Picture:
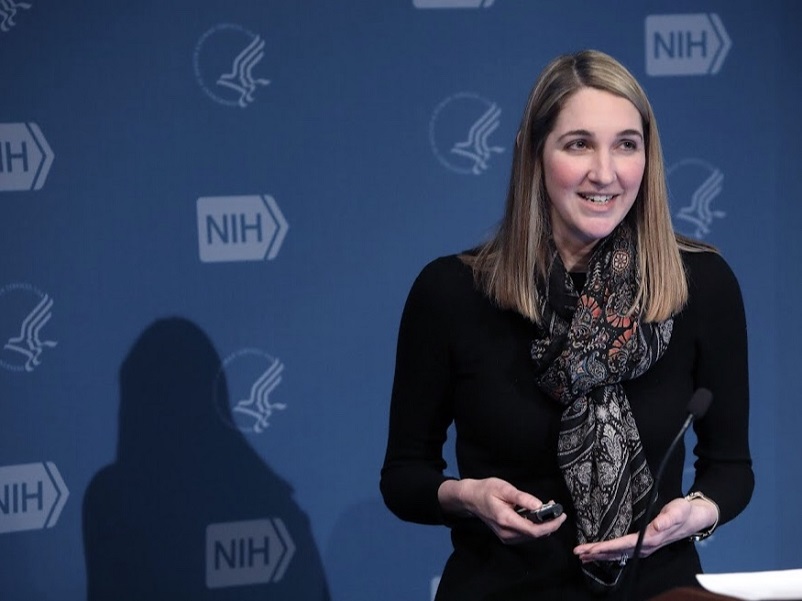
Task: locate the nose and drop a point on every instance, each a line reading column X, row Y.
column 602, row 169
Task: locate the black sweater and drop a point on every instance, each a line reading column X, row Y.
column 461, row 359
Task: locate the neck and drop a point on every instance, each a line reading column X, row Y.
column 575, row 259
column 575, row 253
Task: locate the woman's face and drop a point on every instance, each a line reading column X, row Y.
column 593, row 163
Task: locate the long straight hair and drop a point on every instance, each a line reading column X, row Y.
column 508, row 266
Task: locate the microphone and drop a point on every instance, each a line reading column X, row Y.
column 697, row 407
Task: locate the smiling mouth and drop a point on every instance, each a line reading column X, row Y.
column 599, row 199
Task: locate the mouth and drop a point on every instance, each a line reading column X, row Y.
column 599, row 199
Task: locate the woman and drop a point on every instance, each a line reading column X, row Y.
column 565, row 351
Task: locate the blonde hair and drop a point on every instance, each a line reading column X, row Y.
column 508, row 266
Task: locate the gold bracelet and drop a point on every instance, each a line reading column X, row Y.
column 703, row 534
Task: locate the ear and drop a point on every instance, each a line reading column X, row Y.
column 518, row 139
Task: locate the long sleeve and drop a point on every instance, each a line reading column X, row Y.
column 420, row 410
column 723, row 464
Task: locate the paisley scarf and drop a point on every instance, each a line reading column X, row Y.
column 587, row 347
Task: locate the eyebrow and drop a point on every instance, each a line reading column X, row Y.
column 587, row 134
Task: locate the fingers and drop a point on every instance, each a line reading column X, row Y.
column 671, row 519
column 527, row 501
column 523, row 525
column 617, row 549
column 494, row 501
column 670, row 525
column 518, row 529
column 664, row 529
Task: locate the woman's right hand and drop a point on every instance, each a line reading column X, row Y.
column 493, row 501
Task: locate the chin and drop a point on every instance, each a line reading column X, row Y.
column 597, row 234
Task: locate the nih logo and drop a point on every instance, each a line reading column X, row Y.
column 31, row 496
column 694, row 44
column 239, row 228
column 250, row 552
column 25, row 157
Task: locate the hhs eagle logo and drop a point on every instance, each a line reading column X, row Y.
column 25, row 313
column 460, row 130
column 226, row 60
column 244, row 390
column 8, row 12
column 693, row 186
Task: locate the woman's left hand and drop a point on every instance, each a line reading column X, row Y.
column 678, row 520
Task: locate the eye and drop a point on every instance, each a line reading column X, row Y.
column 629, row 145
column 580, row 144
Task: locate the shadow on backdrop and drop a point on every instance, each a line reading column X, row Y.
column 188, row 510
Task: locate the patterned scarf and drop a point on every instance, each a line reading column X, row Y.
column 586, row 349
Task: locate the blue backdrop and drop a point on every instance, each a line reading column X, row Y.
column 212, row 213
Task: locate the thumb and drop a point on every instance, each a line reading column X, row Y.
column 664, row 520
